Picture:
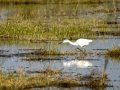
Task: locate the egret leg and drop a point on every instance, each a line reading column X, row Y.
column 79, row 49
column 84, row 49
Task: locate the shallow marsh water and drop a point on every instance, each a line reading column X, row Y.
column 76, row 64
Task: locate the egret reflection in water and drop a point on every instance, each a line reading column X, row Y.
column 77, row 63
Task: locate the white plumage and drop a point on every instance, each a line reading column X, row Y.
column 79, row 42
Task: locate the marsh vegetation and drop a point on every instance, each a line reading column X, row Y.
column 31, row 56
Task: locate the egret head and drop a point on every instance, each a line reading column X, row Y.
column 66, row 40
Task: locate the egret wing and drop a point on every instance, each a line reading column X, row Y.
column 82, row 42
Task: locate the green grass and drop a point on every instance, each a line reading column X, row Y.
column 30, row 31
column 38, row 30
column 34, row 24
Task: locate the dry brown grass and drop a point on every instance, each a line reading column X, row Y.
column 20, row 80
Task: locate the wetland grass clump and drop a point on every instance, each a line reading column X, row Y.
column 48, row 77
column 30, row 26
column 100, row 82
column 115, row 52
column 46, row 52
column 20, row 82
column 43, row 52
column 34, row 32
column 34, row 56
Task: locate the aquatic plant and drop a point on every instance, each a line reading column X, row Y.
column 115, row 52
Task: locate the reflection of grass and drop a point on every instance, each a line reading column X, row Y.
column 49, row 78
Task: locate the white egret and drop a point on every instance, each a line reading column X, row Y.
column 79, row 42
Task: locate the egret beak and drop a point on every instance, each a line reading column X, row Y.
column 78, row 49
column 75, row 48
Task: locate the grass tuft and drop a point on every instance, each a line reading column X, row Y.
column 115, row 52
column 48, row 78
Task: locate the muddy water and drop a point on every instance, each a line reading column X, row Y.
column 77, row 64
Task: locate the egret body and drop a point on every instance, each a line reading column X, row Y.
column 79, row 42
